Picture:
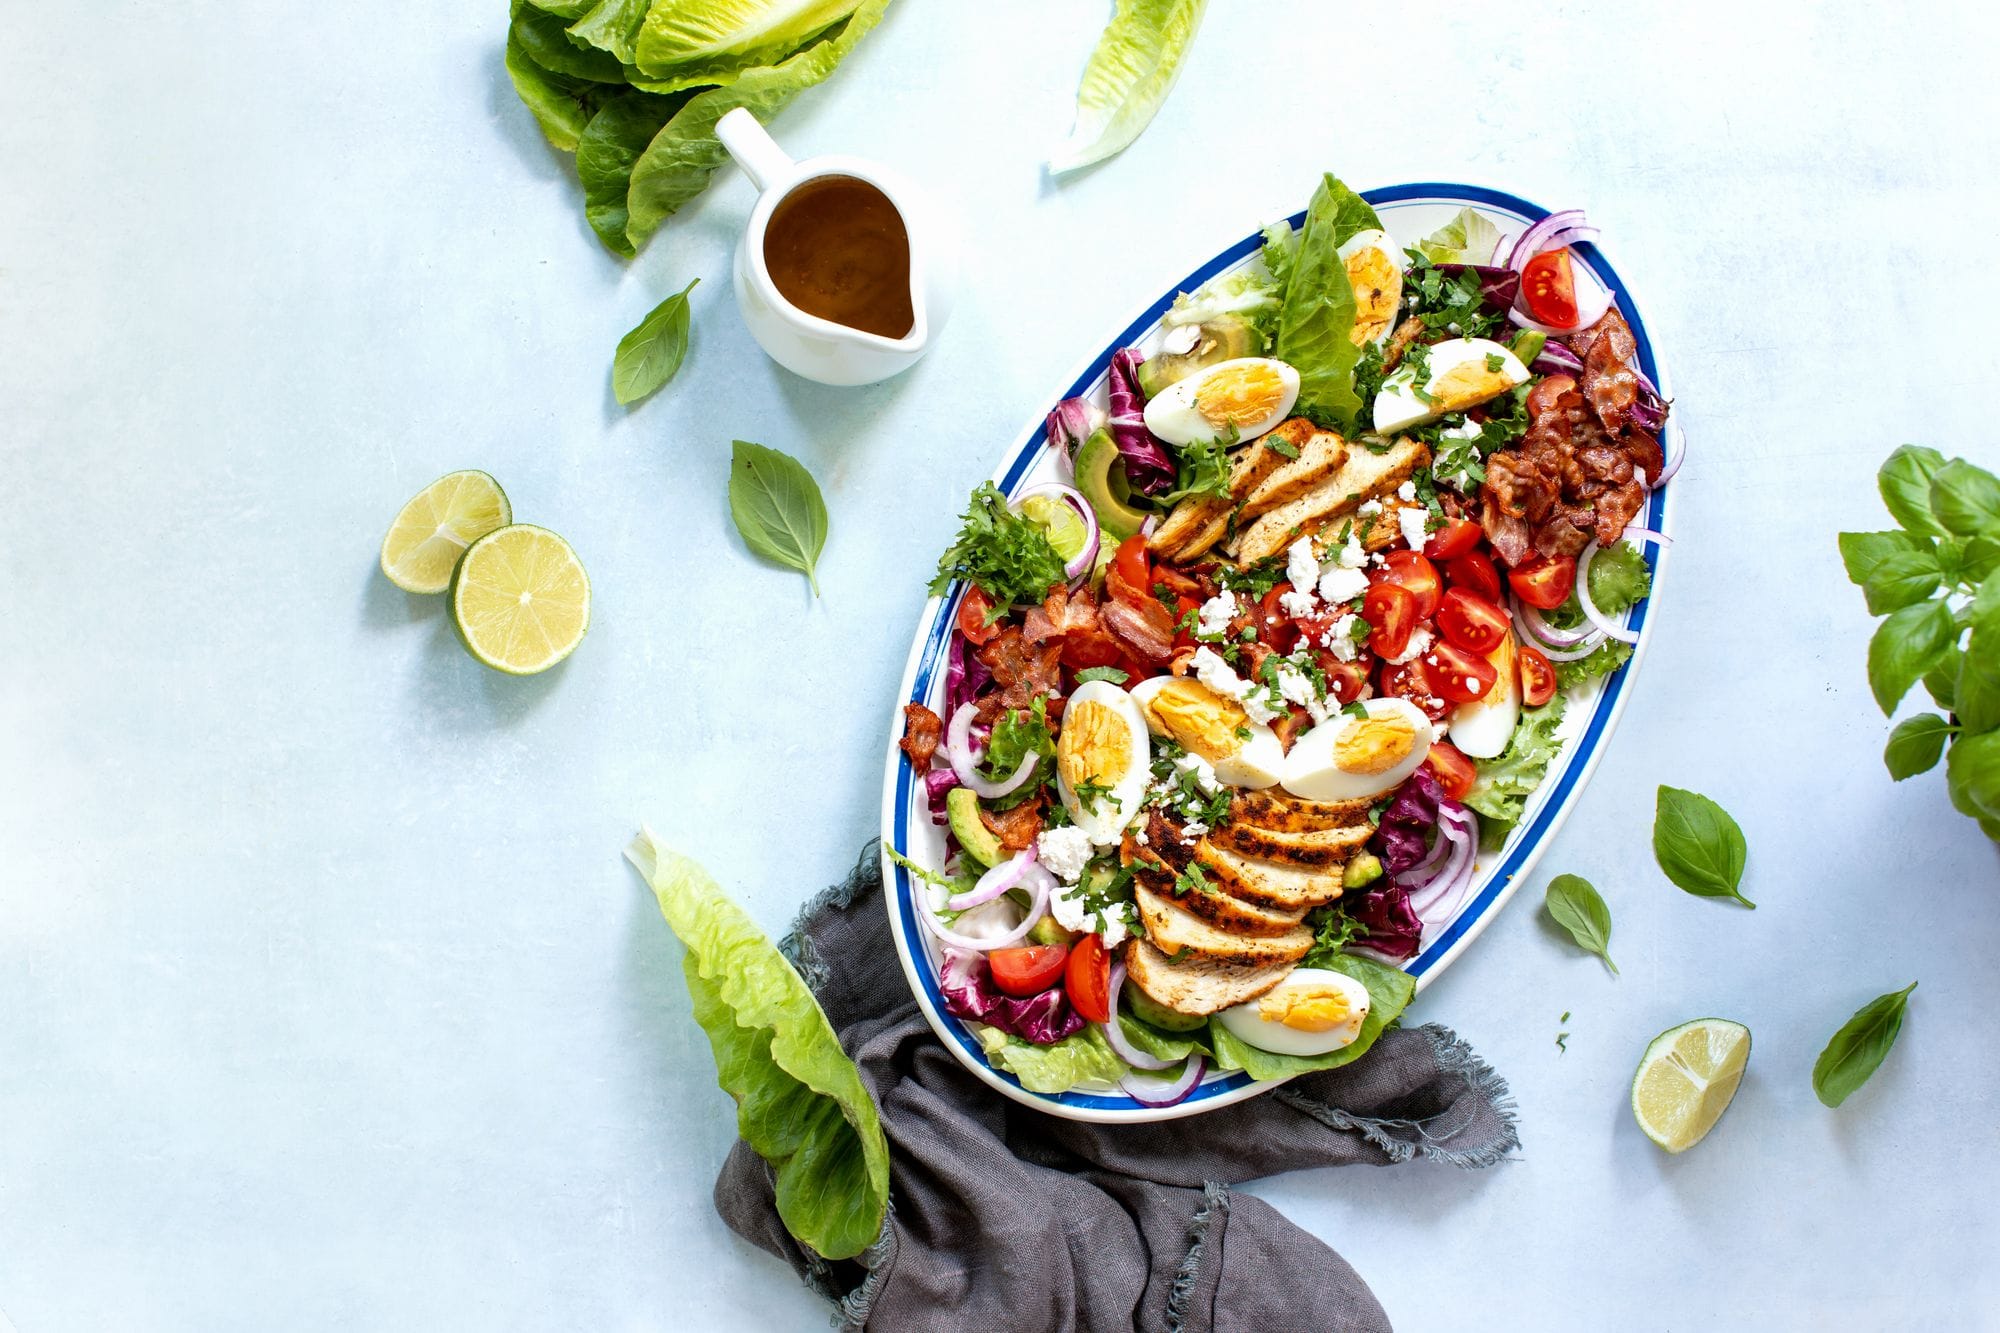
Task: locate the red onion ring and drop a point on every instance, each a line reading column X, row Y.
column 1146, row 528
column 958, row 748
column 1596, row 617
column 1673, row 463
column 994, row 882
column 1645, row 535
column 1542, row 632
column 1157, row 1092
column 1086, row 559
column 1586, row 315
column 1454, row 865
column 1114, row 1032
column 1038, row 903
column 1535, row 239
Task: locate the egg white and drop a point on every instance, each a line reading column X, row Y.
column 1257, row 762
column 1482, row 728
column 1397, row 406
column 1108, row 815
column 1313, row 770
column 1175, row 415
column 1247, row 1024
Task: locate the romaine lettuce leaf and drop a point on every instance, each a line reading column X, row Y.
column 1500, row 793
column 1389, row 992
column 800, row 1101
column 1467, row 239
column 561, row 105
column 547, row 43
column 613, row 26
column 1251, row 293
column 1315, row 324
column 1128, row 77
column 1058, row 1068
column 1158, row 1042
column 605, row 153
column 690, row 38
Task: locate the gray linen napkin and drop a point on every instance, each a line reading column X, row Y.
column 1003, row 1217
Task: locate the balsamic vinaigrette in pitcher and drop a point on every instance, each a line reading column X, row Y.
column 836, row 248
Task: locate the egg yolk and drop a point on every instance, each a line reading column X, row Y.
column 1305, row 1008
column 1096, row 745
column 1375, row 744
column 1240, row 395
column 1197, row 717
column 1465, row 385
column 1374, row 276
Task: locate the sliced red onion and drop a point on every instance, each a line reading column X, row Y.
column 1440, row 846
column 958, row 748
column 1536, row 238
column 994, row 882
column 1454, row 863
column 1569, row 236
column 1645, row 535
column 1457, row 870
column 1159, row 1092
column 1114, row 1032
column 1543, row 633
column 1086, row 559
column 1610, row 627
column 1588, row 311
column 1674, row 462
column 1146, row 528
column 1038, row 904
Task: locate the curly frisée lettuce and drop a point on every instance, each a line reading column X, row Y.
column 1007, row 556
column 1503, row 787
column 1389, row 992
column 800, row 1102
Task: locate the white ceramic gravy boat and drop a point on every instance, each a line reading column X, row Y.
column 803, row 343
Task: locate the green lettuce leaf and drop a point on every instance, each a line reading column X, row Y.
column 562, row 9
column 1389, row 992
column 1618, row 578
column 1500, row 793
column 1082, row 1056
column 1128, row 77
column 676, row 166
column 606, row 152
column 1315, row 324
column 562, row 106
column 1467, row 239
column 800, row 1101
column 548, row 44
column 1602, row 660
column 1159, row 1043
column 612, row 26
column 689, row 38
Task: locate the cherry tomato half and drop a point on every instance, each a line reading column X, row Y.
column 1408, row 682
column 1538, row 678
column 1456, row 674
column 1455, row 772
column 1543, row 583
column 972, row 616
column 1454, row 539
column 1391, row 612
column 1275, row 629
column 1474, row 573
column 1417, row 574
column 1548, row 286
column 1345, row 681
column 1087, row 978
column 1029, row 969
column 1471, row 622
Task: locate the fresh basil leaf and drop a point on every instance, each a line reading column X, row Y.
column 1916, row 745
column 1978, row 557
column 1905, row 482
column 1864, row 552
column 1902, row 580
column 1698, row 845
column 1941, row 681
column 649, row 355
column 1966, row 499
column 1857, row 1050
column 605, row 153
column 1972, row 775
column 1112, row 674
column 777, row 507
column 1977, row 693
column 1128, row 78
column 1577, row 908
column 1905, row 646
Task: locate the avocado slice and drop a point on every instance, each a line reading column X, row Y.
column 1223, row 338
column 1149, row 1010
column 1364, row 869
column 1100, row 475
column 982, row 844
column 1048, row 930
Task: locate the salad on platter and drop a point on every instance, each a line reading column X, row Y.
column 1230, row 712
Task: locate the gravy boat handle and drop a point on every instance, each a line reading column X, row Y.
column 753, row 148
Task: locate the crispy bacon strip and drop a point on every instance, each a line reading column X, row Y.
column 1147, row 633
column 1016, row 828
column 922, row 731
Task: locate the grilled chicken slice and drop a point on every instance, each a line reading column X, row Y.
column 1197, row 986
column 1221, row 909
column 1171, row 928
column 1283, row 813
column 1270, row 884
column 1196, row 525
column 1362, row 476
column 1320, row 456
column 1326, row 850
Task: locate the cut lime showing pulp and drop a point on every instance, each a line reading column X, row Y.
column 1060, row 521
column 520, row 599
column 436, row 526
column 1686, row 1080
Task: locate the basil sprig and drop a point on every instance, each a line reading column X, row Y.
column 1858, row 1049
column 777, row 507
column 1698, row 845
column 1576, row 906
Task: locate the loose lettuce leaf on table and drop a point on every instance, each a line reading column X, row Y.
column 800, row 1101
column 606, row 152
column 562, row 106
column 613, row 26
column 1389, row 992
column 1128, row 77
column 695, row 40
column 1317, row 319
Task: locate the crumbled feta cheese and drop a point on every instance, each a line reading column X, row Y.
column 1414, row 520
column 1369, row 508
column 1407, row 491
column 1352, row 556
column 1203, row 771
column 1301, row 565
column 1191, row 833
column 1212, row 671
column 1341, row 584
column 1420, row 642
column 1117, row 924
column 1180, row 339
column 1298, row 603
column 1065, row 851
column 1141, row 838
column 1216, row 613
column 1068, row 910
column 1298, row 688
column 1339, row 639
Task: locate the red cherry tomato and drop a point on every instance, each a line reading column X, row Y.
column 1408, row 682
column 1391, row 612
column 1542, row 582
column 1417, row 574
column 972, row 614
column 1548, row 287
column 1471, row 622
column 1454, row 539
column 1456, row 674
column 1538, row 678
column 1087, row 978
column 1275, row 629
column 1455, row 772
column 1029, row 969
column 1345, row 681
column 1474, row 573
column 1130, row 578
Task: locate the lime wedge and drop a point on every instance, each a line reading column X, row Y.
column 1686, row 1080
column 1063, row 525
column 436, row 526
column 520, row 599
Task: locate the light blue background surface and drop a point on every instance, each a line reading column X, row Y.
column 325, row 1000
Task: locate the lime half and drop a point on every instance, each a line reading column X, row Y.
column 436, row 526
column 520, row 599
column 1058, row 519
column 1686, row 1080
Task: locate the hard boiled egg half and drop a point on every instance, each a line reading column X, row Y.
column 1461, row 373
column 1482, row 728
column 1243, row 753
column 1351, row 756
column 1310, row 1012
column 1375, row 271
column 1238, row 399
column 1104, row 750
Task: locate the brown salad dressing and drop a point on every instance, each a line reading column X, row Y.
column 836, row 248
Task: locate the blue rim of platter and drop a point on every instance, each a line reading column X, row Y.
column 1550, row 805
